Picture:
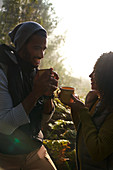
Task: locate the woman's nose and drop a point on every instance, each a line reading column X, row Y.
column 91, row 74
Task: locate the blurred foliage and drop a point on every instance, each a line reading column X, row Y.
column 61, row 153
column 60, row 137
column 16, row 11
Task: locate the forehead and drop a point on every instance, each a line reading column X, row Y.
column 37, row 39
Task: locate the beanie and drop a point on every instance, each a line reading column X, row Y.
column 20, row 34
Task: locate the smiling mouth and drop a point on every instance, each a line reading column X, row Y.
column 36, row 61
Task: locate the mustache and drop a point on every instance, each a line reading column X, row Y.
column 37, row 57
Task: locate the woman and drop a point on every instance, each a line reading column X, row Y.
column 94, row 120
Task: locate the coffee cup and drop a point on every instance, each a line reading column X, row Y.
column 53, row 73
column 41, row 71
column 65, row 94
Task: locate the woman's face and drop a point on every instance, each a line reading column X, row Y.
column 93, row 82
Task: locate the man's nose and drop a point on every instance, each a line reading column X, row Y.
column 41, row 54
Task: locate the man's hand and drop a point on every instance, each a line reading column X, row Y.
column 45, row 84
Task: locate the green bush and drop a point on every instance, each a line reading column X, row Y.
column 61, row 153
column 60, row 136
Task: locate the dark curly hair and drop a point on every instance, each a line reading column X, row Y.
column 104, row 78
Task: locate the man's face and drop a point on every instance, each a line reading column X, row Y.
column 33, row 51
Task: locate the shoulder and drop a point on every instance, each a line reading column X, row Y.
column 3, row 69
column 4, row 48
column 107, row 126
column 7, row 54
column 3, row 79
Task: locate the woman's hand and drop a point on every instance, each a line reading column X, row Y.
column 91, row 97
column 76, row 105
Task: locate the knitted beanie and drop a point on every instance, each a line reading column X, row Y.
column 20, row 34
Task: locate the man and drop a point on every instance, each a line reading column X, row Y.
column 25, row 99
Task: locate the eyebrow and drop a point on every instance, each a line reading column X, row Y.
column 39, row 46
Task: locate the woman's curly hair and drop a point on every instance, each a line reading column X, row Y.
column 104, row 78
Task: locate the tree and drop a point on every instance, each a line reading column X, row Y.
column 15, row 11
column 9, row 18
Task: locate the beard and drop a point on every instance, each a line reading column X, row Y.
column 26, row 56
